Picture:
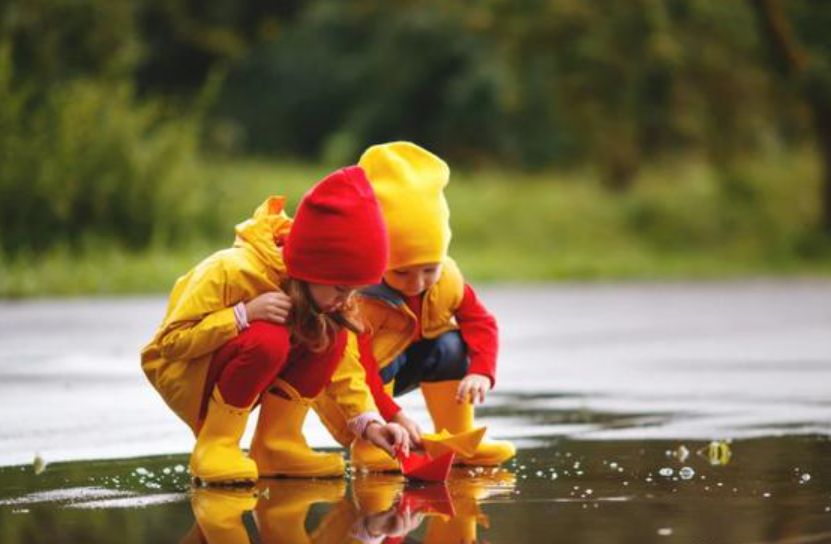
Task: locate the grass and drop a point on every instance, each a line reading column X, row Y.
column 681, row 220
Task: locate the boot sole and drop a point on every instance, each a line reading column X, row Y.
column 242, row 482
column 382, row 469
column 284, row 475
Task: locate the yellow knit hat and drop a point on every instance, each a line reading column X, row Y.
column 409, row 182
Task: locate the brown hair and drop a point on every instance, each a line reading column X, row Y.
column 312, row 328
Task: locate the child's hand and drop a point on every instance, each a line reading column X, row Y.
column 390, row 437
column 473, row 387
column 410, row 426
column 273, row 306
column 392, row 523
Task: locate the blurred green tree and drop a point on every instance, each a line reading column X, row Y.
column 808, row 69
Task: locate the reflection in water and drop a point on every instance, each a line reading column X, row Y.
column 379, row 508
column 772, row 490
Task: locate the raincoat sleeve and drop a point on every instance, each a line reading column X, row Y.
column 480, row 333
column 201, row 320
column 348, row 387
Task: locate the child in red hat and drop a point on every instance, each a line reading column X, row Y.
column 223, row 346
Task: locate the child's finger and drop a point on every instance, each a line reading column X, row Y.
column 480, row 394
column 405, row 447
column 387, row 446
column 461, row 393
column 415, row 435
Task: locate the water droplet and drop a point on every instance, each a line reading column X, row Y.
column 38, row 465
column 666, row 472
column 612, row 465
column 664, row 531
column 766, row 494
column 805, row 478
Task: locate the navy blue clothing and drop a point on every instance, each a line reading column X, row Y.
column 435, row 360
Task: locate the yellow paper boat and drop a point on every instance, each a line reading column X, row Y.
column 463, row 444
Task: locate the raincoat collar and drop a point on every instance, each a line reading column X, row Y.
column 385, row 293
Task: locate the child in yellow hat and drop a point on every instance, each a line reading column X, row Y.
column 429, row 329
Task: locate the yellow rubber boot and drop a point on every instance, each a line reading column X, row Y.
column 365, row 456
column 218, row 513
column 440, row 398
column 375, row 493
column 467, row 494
column 362, row 454
column 217, row 457
column 279, row 447
column 282, row 509
column 337, row 525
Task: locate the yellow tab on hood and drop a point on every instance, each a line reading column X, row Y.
column 266, row 230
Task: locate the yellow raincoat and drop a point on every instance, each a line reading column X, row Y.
column 200, row 319
column 393, row 323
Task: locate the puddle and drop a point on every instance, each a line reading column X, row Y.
column 747, row 491
column 612, row 394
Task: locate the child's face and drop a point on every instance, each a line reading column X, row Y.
column 331, row 298
column 413, row 280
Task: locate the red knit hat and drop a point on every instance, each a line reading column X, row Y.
column 338, row 236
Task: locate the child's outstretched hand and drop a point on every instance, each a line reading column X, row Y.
column 273, row 306
column 390, row 437
column 410, row 426
column 473, row 387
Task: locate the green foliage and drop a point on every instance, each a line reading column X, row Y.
column 682, row 219
column 345, row 75
column 85, row 160
column 110, row 110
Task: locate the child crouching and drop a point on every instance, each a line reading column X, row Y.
column 221, row 347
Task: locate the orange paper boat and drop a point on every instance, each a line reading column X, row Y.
column 463, row 444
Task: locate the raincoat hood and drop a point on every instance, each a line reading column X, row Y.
column 266, row 231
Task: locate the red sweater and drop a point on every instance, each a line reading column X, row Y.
column 479, row 332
